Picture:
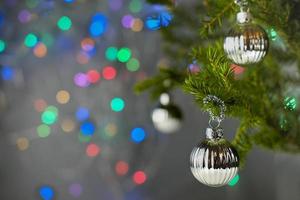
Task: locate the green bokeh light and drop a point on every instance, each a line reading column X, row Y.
column 273, row 34
column 234, row 181
column 111, row 53
column 117, row 104
column 135, row 6
column 2, row 46
column 84, row 138
column 133, row 65
column 43, row 131
column 49, row 117
column 30, row 40
column 64, row 23
column 52, row 109
column 124, row 54
column 290, row 103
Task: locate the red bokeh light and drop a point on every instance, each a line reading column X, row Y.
column 93, row 76
column 109, row 73
column 40, row 50
column 92, row 150
column 87, row 44
column 237, row 69
column 139, row 177
column 83, row 58
column 121, row 168
column 40, row 105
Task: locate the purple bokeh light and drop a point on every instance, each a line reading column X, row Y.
column 75, row 190
column 81, row 80
column 24, row 16
column 127, row 21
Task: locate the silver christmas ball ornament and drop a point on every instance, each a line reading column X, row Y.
column 246, row 43
column 166, row 117
column 214, row 162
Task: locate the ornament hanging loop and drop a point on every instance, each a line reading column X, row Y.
column 214, row 124
column 215, row 120
column 243, row 4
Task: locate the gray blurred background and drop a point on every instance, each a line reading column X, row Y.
column 59, row 160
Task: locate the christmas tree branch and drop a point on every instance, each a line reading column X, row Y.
column 162, row 2
column 166, row 80
column 216, row 18
column 258, row 96
column 242, row 141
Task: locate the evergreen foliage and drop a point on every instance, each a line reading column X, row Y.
column 258, row 98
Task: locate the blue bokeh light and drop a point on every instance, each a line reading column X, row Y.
column 7, row 73
column 1, row 18
column 69, row 1
column 97, row 28
column 138, row 135
column 98, row 25
column 152, row 23
column 46, row 193
column 162, row 19
column 159, row 7
column 99, row 17
column 87, row 128
column 82, row 114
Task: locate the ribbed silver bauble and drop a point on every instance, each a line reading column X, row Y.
column 246, row 43
column 166, row 117
column 214, row 162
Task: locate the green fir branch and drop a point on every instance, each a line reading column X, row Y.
column 257, row 96
column 215, row 19
column 166, row 80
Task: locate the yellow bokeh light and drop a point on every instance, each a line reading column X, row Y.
column 22, row 143
column 137, row 25
column 63, row 96
column 67, row 125
column 111, row 129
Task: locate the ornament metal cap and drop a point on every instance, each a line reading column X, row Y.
column 243, row 17
column 214, row 134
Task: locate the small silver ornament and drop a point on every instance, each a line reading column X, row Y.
column 166, row 117
column 214, row 162
column 246, row 43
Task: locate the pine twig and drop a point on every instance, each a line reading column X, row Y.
column 217, row 18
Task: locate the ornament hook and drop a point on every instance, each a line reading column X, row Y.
column 217, row 119
column 243, row 4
